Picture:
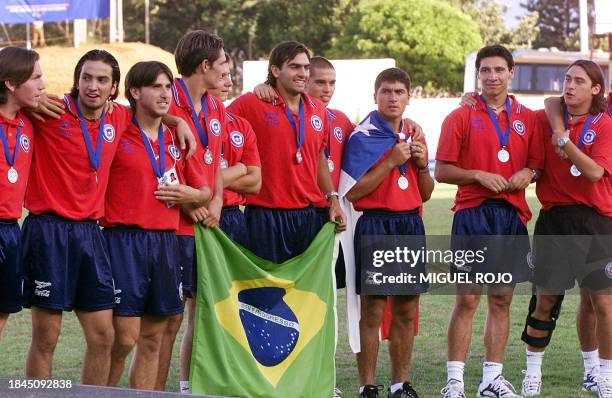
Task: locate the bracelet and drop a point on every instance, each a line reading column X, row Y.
column 424, row 170
column 329, row 195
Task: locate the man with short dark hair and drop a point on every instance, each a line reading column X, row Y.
column 291, row 140
column 21, row 86
column 143, row 248
column 488, row 150
column 390, row 193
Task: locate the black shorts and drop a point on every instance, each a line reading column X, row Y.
column 572, row 243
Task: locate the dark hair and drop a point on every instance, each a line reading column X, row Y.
column 16, row 66
column 195, row 47
column 594, row 73
column 96, row 55
column 495, row 50
column 283, row 52
column 144, row 74
column 392, row 75
column 320, row 63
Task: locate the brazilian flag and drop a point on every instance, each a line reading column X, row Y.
column 263, row 329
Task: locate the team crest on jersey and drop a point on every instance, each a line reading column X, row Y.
column 338, row 134
column 519, row 127
column 316, row 123
column 108, row 133
column 237, row 139
column 174, row 152
column 24, row 141
column 609, row 270
column 215, row 127
column 589, row 137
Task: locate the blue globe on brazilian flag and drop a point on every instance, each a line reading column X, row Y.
column 263, row 329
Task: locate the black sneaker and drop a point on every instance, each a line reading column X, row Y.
column 370, row 391
column 405, row 392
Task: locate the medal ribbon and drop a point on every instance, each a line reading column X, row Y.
column 299, row 136
column 160, row 169
column 503, row 138
column 327, row 149
column 202, row 132
column 94, row 156
column 7, row 152
column 585, row 128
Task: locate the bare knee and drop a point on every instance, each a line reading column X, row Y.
column 466, row 305
column 544, row 306
column 174, row 324
column 372, row 310
column 500, row 303
column 101, row 339
column 404, row 309
column 45, row 340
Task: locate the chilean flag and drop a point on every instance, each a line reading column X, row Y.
column 367, row 143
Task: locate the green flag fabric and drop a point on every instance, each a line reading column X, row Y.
column 263, row 329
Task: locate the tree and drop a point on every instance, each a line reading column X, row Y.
column 526, row 32
column 558, row 21
column 489, row 16
column 428, row 38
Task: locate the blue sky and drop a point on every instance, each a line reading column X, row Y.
column 515, row 10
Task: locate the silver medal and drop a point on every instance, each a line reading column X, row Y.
column 298, row 156
column 402, row 183
column 223, row 163
column 161, row 181
column 12, row 175
column 208, row 157
column 330, row 165
column 574, row 171
column 503, row 155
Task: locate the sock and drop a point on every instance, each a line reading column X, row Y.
column 490, row 370
column 395, row 387
column 361, row 389
column 591, row 361
column 184, row 386
column 534, row 363
column 454, row 370
column 605, row 368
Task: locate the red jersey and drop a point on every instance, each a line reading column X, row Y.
column 13, row 185
column 239, row 145
column 129, row 197
column 286, row 184
column 213, row 127
column 338, row 130
column 388, row 195
column 469, row 140
column 610, row 104
column 62, row 180
column 557, row 186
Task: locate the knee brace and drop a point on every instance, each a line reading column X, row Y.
column 549, row 326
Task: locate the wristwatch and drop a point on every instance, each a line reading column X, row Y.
column 329, row 195
column 561, row 142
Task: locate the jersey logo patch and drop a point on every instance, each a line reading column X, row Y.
column 108, row 133
column 237, row 139
column 338, row 134
column 174, row 152
column 519, row 127
column 589, row 137
column 24, row 141
column 477, row 125
column 316, row 123
column 215, row 127
column 609, row 270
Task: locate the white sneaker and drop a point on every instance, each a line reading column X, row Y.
column 453, row 389
column 589, row 383
column 531, row 385
column 604, row 387
column 337, row 392
column 498, row 388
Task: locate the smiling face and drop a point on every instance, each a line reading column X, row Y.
column 293, row 75
column 494, row 76
column 392, row 99
column 222, row 91
column 95, row 85
column 155, row 98
column 28, row 93
column 322, row 84
column 578, row 89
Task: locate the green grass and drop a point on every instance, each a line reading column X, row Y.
column 562, row 363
